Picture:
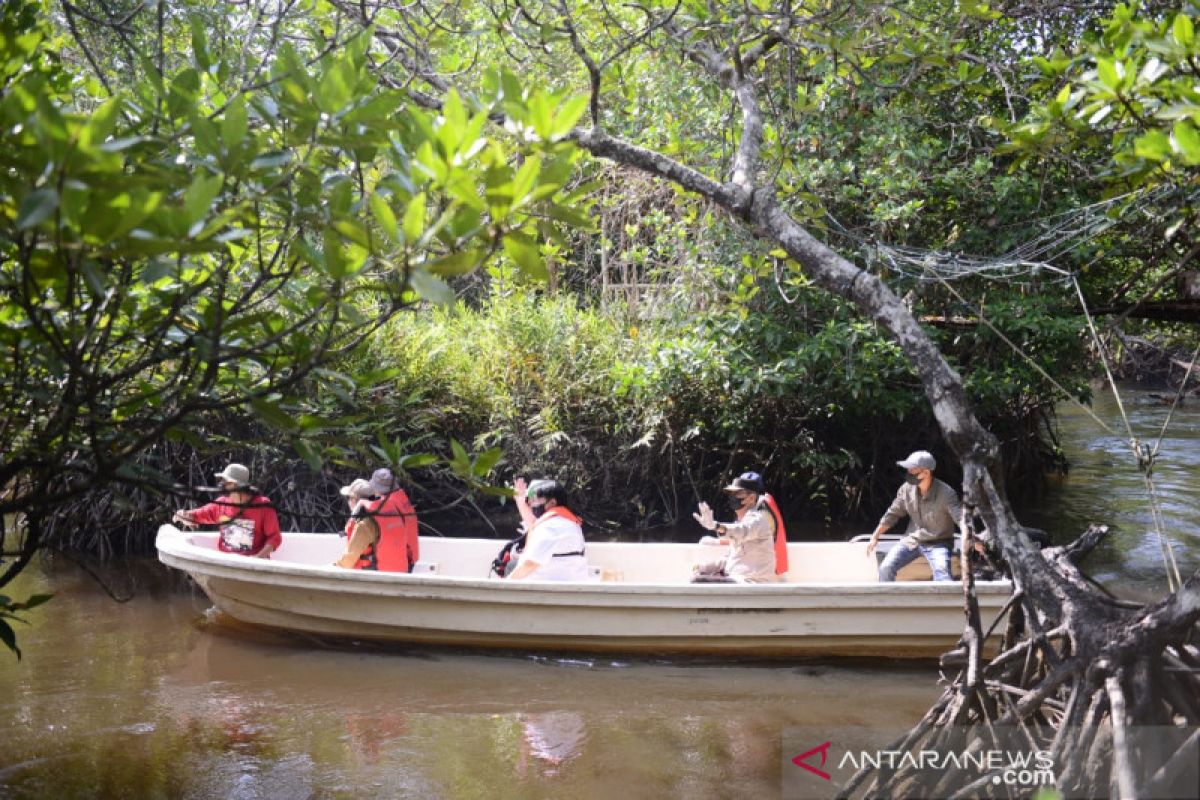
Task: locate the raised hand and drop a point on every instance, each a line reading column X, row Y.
column 705, row 517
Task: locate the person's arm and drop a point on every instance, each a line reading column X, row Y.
column 755, row 525
column 520, row 488
column 953, row 510
column 896, row 512
column 208, row 514
column 274, row 534
column 539, row 549
column 526, row 568
column 365, row 533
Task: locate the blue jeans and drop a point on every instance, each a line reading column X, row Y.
column 938, row 556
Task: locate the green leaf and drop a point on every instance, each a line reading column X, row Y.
column 9, row 638
column 185, row 91
column 485, row 461
column 198, row 198
column 100, row 124
column 271, row 413
column 385, row 217
column 431, row 287
column 1153, row 145
column 511, row 86
column 454, row 122
column 523, row 250
column 200, row 44
column 33, row 602
column 415, row 460
column 37, row 206
column 1106, row 70
column 1183, row 30
column 525, row 179
column 205, row 132
column 235, row 124
column 310, row 453
column 337, row 261
column 459, row 262
column 272, row 160
column 571, row 217
column 336, row 87
column 1187, row 141
column 414, row 218
column 568, row 114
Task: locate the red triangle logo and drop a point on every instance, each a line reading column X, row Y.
column 800, row 760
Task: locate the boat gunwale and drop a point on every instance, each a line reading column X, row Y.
column 176, row 550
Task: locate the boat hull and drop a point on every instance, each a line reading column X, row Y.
column 899, row 620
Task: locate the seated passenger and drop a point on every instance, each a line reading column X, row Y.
column 554, row 546
column 933, row 512
column 751, row 538
column 246, row 519
column 360, row 532
column 382, row 531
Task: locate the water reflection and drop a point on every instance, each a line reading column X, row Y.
column 552, row 738
column 137, row 700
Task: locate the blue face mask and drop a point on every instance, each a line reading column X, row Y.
column 913, row 479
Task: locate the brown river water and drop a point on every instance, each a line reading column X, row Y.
column 152, row 698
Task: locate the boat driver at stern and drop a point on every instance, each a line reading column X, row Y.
column 751, row 557
column 932, row 509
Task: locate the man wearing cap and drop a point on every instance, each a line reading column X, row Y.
column 751, row 538
column 382, row 530
column 245, row 518
column 933, row 511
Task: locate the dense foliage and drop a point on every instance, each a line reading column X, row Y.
column 213, row 213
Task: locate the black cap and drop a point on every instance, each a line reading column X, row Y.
column 747, row 482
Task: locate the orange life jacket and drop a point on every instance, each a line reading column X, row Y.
column 398, row 547
column 781, row 554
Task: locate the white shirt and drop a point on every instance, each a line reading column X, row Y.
column 552, row 535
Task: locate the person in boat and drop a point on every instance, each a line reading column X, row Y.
column 246, row 519
column 360, row 531
column 381, row 533
column 933, row 513
column 554, row 544
column 754, row 539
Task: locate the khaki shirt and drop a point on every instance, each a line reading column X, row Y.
column 751, row 557
column 932, row 518
column 364, row 534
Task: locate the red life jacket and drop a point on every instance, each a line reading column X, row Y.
column 781, row 554
column 398, row 547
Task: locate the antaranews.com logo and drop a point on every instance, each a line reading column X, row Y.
column 820, row 763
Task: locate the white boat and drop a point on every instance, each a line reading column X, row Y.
column 640, row 601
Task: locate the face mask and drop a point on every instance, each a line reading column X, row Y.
column 736, row 502
column 913, row 479
column 538, row 510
